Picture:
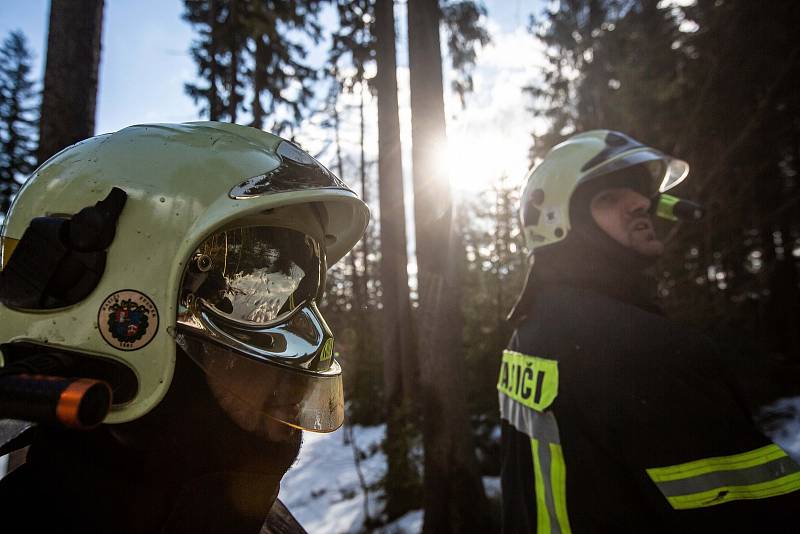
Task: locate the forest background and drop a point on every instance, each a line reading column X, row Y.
column 402, row 100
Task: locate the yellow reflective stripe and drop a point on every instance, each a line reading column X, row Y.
column 771, row 488
column 718, row 463
column 542, row 514
column 757, row 474
column 550, row 487
column 558, row 481
column 529, row 380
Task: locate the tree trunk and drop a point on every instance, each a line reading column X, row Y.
column 454, row 497
column 233, row 45
column 69, row 97
column 258, row 82
column 365, row 197
column 399, row 364
column 213, row 73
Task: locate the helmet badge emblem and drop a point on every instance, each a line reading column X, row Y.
column 128, row 320
column 552, row 216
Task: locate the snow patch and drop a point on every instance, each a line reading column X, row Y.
column 492, row 487
column 407, row 524
column 781, row 422
column 322, row 489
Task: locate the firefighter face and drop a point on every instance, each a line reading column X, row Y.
column 231, row 388
column 622, row 213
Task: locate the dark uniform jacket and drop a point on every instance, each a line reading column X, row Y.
column 198, row 473
column 616, row 419
column 88, row 483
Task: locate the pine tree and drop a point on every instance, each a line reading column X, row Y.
column 570, row 32
column 354, row 42
column 465, row 34
column 277, row 71
column 352, row 52
column 454, row 497
column 244, row 50
column 18, row 102
column 366, row 34
column 398, row 344
column 495, row 267
column 205, row 51
column 740, row 135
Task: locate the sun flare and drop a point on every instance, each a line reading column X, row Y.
column 474, row 163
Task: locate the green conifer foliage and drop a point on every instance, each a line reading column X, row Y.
column 250, row 55
column 465, row 33
column 18, row 105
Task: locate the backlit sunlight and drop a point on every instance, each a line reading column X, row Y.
column 475, row 162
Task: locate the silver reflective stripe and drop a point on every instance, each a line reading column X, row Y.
column 740, row 477
column 537, row 425
column 549, row 470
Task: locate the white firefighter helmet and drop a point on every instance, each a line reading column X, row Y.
column 584, row 158
column 212, row 236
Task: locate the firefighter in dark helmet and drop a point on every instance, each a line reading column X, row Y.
column 180, row 266
column 615, row 419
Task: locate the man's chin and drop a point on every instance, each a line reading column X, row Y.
column 649, row 249
column 645, row 243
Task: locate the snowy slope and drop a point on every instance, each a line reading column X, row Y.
column 322, row 489
column 323, row 492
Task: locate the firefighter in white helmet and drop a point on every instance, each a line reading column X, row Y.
column 616, row 419
column 179, row 267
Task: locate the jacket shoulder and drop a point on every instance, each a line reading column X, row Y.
column 561, row 313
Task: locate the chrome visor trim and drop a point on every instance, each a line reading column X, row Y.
column 300, row 340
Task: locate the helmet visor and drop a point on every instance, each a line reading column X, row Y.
column 255, row 274
column 308, row 401
column 666, row 172
column 676, row 171
column 249, row 320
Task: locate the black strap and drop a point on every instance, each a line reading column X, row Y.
column 59, row 261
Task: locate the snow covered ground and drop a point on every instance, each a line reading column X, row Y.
column 323, row 491
column 784, row 429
